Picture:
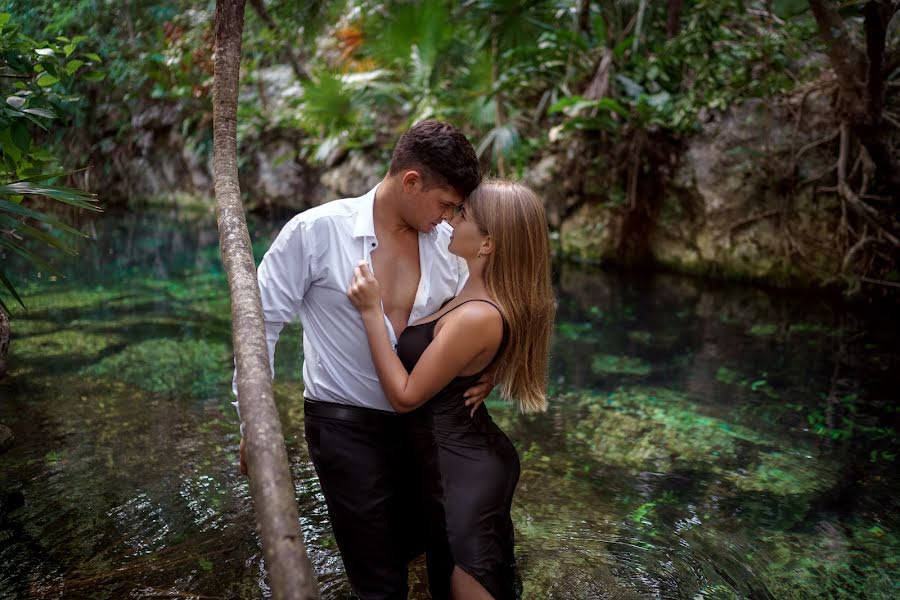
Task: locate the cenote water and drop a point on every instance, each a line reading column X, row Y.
column 703, row 440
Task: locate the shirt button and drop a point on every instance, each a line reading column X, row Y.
column 373, row 244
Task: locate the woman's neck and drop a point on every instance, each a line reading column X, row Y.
column 475, row 286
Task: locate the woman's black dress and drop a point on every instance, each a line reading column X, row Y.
column 469, row 470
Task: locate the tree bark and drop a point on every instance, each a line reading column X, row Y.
column 290, row 572
column 673, row 18
column 860, row 76
column 4, row 341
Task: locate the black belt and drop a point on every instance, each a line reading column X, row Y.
column 346, row 412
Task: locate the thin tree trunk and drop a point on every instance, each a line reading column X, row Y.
column 860, row 76
column 673, row 18
column 499, row 116
column 4, row 341
column 298, row 69
column 638, row 29
column 290, row 572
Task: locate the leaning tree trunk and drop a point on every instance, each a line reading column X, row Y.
column 290, row 572
column 4, row 341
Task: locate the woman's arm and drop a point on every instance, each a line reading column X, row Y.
column 462, row 338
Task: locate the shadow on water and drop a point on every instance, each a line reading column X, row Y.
column 704, row 440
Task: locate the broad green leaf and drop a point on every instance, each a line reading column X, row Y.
column 78, row 39
column 611, row 104
column 41, row 112
column 62, row 38
column 94, row 57
column 69, row 49
column 4, row 18
column 73, row 65
column 16, row 101
column 20, row 137
column 9, row 148
column 94, row 76
column 46, row 80
column 787, row 9
column 35, row 121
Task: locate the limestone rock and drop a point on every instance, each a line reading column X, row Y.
column 728, row 207
column 589, row 233
column 353, row 177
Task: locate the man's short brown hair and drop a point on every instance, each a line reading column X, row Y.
column 441, row 153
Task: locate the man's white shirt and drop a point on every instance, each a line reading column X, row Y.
column 305, row 276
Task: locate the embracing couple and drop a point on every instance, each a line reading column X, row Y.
column 408, row 323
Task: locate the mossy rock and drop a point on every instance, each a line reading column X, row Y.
column 619, row 365
column 64, row 345
column 850, row 562
column 7, row 438
column 659, row 430
column 193, row 367
column 785, row 474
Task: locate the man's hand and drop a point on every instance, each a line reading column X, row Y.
column 476, row 394
column 243, row 457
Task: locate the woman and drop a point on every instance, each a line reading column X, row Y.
column 500, row 321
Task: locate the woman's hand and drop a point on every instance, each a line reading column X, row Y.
column 364, row 292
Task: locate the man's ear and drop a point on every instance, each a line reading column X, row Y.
column 411, row 180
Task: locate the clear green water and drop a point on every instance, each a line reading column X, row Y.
column 703, row 441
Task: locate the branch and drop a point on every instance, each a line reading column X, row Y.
column 880, row 282
column 815, row 143
column 298, row 69
column 845, row 56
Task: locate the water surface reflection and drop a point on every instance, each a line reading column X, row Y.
column 704, row 440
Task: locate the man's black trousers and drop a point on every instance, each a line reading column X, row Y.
column 365, row 467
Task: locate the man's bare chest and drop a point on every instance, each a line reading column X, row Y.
column 398, row 272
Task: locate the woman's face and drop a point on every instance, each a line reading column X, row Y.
column 467, row 236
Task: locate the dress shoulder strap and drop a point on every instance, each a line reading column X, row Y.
column 476, row 300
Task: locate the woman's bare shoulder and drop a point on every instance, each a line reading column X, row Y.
column 480, row 317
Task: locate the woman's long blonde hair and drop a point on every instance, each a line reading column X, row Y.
column 517, row 276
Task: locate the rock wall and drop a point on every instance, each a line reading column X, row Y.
column 730, row 201
column 735, row 205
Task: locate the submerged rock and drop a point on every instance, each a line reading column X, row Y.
column 6, row 438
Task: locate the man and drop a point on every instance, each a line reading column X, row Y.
column 354, row 437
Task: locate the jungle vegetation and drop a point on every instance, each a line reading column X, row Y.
column 627, row 80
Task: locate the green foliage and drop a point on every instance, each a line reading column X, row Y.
column 507, row 71
column 42, row 74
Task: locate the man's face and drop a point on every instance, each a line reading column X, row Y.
column 430, row 207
